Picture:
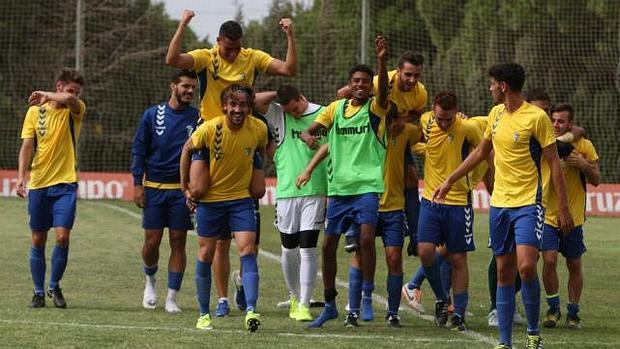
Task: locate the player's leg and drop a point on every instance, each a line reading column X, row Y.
column 550, row 246
column 288, row 216
column 492, row 282
column 366, row 208
column 572, row 247
column 528, row 227
column 221, row 270
column 63, row 200
column 393, row 240
column 412, row 201
column 179, row 222
column 154, row 219
column 40, row 220
column 312, row 220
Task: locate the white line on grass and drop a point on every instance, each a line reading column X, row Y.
column 475, row 335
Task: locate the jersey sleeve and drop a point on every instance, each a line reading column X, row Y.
column 543, row 131
column 200, row 137
column 202, row 58
column 80, row 115
column 378, row 110
column 589, row 151
column 261, row 60
column 487, row 129
column 29, row 128
column 263, row 138
column 422, row 97
column 414, row 135
column 474, row 136
column 140, row 148
column 326, row 117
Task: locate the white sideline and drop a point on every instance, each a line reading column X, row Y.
column 472, row 334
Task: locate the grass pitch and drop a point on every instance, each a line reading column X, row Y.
column 103, row 286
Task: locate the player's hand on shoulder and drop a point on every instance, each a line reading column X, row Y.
column 287, row 25
column 187, row 16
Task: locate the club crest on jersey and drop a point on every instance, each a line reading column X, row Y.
column 247, row 151
column 451, row 138
column 242, row 76
column 515, row 137
column 189, row 129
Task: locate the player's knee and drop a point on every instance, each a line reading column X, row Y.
column 573, row 265
column 394, row 263
column 205, row 254
column 426, row 252
column 527, row 269
column 62, row 240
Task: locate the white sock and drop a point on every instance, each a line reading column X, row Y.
column 307, row 274
column 149, row 298
column 172, row 295
column 290, row 268
column 171, row 302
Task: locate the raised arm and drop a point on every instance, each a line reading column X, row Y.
column 25, row 156
column 288, row 67
column 381, row 46
column 565, row 220
column 64, row 98
column 174, row 57
column 478, row 155
column 262, row 100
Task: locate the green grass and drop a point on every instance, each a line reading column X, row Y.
column 104, row 282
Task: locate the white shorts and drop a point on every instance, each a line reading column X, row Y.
column 300, row 214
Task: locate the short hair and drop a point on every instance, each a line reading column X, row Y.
column 446, row 100
column 287, row 93
column 235, row 88
column 67, row 75
column 560, row 107
column 361, row 68
column 232, row 30
column 512, row 74
column 176, row 76
column 537, row 94
column 415, row 58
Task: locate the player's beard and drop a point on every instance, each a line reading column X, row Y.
column 184, row 102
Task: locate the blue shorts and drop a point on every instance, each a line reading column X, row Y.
column 391, row 228
column 165, row 208
column 447, row 225
column 351, row 211
column 203, row 154
column 52, row 206
column 213, row 218
column 513, row 226
column 571, row 246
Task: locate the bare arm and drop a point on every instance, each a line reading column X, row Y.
column 188, row 148
column 64, row 98
column 589, row 168
column 565, row 221
column 174, row 57
column 288, row 67
column 345, row 92
column 304, row 177
column 25, row 156
column 381, row 46
column 311, row 135
column 478, row 155
column 262, row 100
column 489, row 177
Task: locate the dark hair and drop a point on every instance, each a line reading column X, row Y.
column 537, row 94
column 232, row 30
column 67, row 75
column 234, row 89
column 415, row 58
column 446, row 100
column 287, row 93
column 176, row 76
column 560, row 107
column 363, row 68
column 510, row 73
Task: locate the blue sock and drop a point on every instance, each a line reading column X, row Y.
column 573, row 309
column 203, row 285
column 59, row 264
column 417, row 279
column 329, row 312
column 174, row 280
column 394, row 284
column 445, row 270
column 150, row 270
column 434, row 278
column 37, row 269
column 553, row 301
column 412, row 209
column 530, row 292
column 355, row 289
column 367, row 313
column 460, row 303
column 249, row 278
column 505, row 310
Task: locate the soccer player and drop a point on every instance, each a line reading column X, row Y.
column 52, row 127
column 355, row 175
column 161, row 134
column 225, row 64
column 300, row 212
column 409, row 97
column 449, row 139
column 521, row 136
column 579, row 167
column 231, row 141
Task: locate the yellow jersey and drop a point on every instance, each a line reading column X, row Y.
column 478, row 173
column 393, row 198
column 405, row 102
column 215, row 74
column 230, row 156
column 56, row 132
column 326, row 117
column 575, row 187
column 444, row 152
column 518, row 139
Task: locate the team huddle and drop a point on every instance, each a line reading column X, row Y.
column 347, row 168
